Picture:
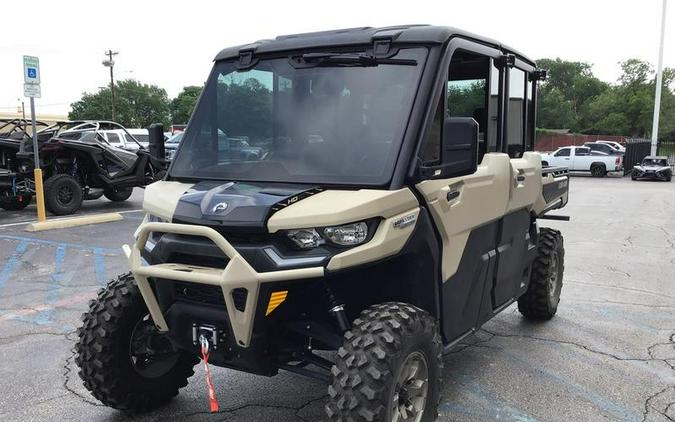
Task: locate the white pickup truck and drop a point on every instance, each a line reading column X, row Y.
column 583, row 159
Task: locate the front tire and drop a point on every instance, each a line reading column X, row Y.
column 118, row 194
column 15, row 203
column 63, row 194
column 389, row 367
column 540, row 301
column 118, row 365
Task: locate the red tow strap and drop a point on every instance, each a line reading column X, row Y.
column 213, row 402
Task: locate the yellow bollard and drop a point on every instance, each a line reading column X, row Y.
column 39, row 195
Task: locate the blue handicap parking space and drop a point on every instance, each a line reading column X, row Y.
column 64, row 264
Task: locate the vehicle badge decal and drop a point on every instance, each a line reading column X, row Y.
column 221, row 206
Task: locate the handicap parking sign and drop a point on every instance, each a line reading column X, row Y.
column 31, row 70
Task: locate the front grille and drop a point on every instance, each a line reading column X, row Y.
column 199, row 260
column 207, row 294
column 199, row 293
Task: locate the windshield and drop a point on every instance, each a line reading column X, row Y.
column 651, row 162
column 175, row 139
column 335, row 120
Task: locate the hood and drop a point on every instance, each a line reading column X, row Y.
column 235, row 204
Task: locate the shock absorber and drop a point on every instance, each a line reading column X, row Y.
column 337, row 310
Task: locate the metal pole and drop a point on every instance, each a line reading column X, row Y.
column 37, row 173
column 659, row 82
column 112, row 83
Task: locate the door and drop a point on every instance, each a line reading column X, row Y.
column 562, row 157
column 467, row 210
column 524, row 187
column 582, row 159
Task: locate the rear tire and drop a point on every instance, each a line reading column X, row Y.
column 118, row 194
column 598, row 170
column 540, row 301
column 109, row 369
column 390, row 362
column 15, row 203
column 63, row 194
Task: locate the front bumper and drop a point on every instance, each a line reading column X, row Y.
column 650, row 175
column 237, row 274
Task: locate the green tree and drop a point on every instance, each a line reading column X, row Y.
column 184, row 103
column 566, row 93
column 136, row 105
column 628, row 107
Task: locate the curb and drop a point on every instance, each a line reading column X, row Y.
column 63, row 223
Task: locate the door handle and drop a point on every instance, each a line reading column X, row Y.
column 453, row 194
column 520, row 178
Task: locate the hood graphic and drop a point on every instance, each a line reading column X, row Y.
column 234, row 204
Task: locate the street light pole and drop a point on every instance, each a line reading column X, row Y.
column 659, row 82
column 111, row 64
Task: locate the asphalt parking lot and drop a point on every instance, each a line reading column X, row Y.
column 608, row 355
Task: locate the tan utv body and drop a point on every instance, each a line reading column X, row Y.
column 367, row 191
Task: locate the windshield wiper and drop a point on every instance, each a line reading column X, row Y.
column 362, row 60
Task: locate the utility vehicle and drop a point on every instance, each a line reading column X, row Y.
column 654, row 168
column 78, row 163
column 16, row 160
column 394, row 211
column 584, row 159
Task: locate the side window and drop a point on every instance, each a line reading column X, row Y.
column 565, row 152
column 582, row 151
column 467, row 93
column 113, row 138
column 516, row 113
column 430, row 152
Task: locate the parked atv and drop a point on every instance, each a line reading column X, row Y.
column 78, row 163
column 384, row 221
column 16, row 162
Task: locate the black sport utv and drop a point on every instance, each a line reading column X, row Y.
column 16, row 160
column 78, row 163
column 393, row 211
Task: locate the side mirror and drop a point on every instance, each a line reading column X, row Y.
column 459, row 150
column 156, row 140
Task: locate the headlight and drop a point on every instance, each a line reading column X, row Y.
column 347, row 235
column 305, row 238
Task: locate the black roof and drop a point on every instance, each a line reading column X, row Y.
column 404, row 34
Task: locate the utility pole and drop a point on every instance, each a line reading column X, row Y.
column 23, row 108
column 109, row 62
column 659, row 82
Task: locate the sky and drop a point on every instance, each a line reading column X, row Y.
column 172, row 43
